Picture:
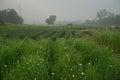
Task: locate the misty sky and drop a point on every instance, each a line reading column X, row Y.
column 36, row 11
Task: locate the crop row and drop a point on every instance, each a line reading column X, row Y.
column 63, row 59
column 37, row 33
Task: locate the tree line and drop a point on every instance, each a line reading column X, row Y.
column 104, row 17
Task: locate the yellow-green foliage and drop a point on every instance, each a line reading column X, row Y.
column 109, row 39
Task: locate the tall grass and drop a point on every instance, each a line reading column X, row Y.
column 110, row 39
column 80, row 60
column 31, row 67
column 62, row 59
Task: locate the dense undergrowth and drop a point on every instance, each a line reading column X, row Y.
column 63, row 59
column 59, row 53
column 108, row 39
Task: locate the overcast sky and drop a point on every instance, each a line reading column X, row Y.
column 65, row 10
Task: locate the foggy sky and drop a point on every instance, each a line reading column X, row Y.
column 36, row 11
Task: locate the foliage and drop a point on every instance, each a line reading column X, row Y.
column 51, row 19
column 58, row 53
column 104, row 17
column 110, row 39
column 103, row 14
column 10, row 16
column 36, row 33
column 110, row 20
column 64, row 59
column 31, row 68
column 1, row 21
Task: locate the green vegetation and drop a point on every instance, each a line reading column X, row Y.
column 51, row 19
column 110, row 39
column 38, row 32
column 105, row 18
column 10, row 16
column 58, row 53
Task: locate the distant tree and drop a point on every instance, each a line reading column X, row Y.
column 103, row 14
column 1, row 21
column 87, row 22
column 51, row 19
column 10, row 16
column 111, row 20
column 90, row 22
column 117, row 19
column 47, row 21
column 70, row 24
column 104, row 18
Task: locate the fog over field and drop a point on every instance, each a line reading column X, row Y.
column 36, row 11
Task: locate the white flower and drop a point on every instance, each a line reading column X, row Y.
column 65, row 65
column 89, row 63
column 79, row 64
column 82, row 73
column 5, row 65
column 35, row 79
column 73, row 75
column 52, row 73
column 65, row 79
column 71, row 69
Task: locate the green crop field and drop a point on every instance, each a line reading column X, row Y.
column 30, row 52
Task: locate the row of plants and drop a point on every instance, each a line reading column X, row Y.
column 33, row 33
column 62, row 59
column 41, row 32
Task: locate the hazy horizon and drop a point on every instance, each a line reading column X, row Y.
column 36, row 11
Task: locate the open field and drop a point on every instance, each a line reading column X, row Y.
column 59, row 53
column 40, row 32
